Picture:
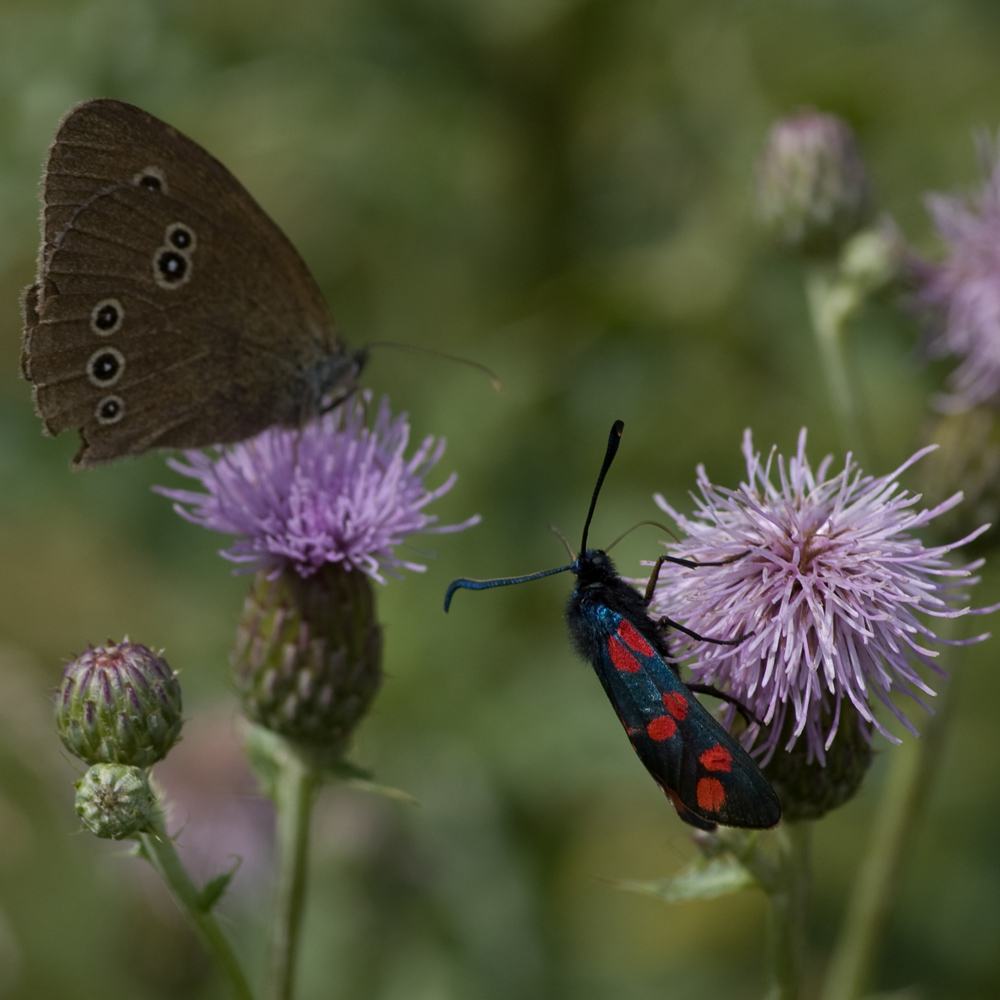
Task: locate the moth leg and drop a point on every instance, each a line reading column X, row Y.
column 690, row 564
column 709, row 689
column 665, row 623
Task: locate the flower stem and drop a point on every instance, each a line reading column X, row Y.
column 294, row 792
column 878, row 878
column 789, row 902
column 832, row 303
column 159, row 850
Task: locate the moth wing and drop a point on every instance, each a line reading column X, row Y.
column 705, row 772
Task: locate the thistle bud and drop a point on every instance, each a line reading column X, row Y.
column 812, row 185
column 809, row 787
column 119, row 704
column 115, row 801
column 308, row 655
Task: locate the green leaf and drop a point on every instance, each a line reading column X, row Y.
column 345, row 770
column 386, row 791
column 266, row 749
column 213, row 889
column 702, row 879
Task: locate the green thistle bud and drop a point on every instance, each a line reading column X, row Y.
column 809, row 789
column 812, row 185
column 119, row 704
column 115, row 800
column 308, row 656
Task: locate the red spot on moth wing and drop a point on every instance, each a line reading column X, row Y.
column 676, row 704
column 661, row 728
column 621, row 657
column 710, row 794
column 716, row 758
column 628, row 632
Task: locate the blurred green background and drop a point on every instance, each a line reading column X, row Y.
column 559, row 189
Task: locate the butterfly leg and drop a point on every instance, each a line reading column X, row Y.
column 358, row 360
column 690, row 564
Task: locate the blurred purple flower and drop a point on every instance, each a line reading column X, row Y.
column 827, row 576
column 963, row 293
column 812, row 183
column 334, row 491
column 215, row 809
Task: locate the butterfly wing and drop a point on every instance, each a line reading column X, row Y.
column 169, row 310
column 707, row 775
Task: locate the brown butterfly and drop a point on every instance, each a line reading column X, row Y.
column 169, row 310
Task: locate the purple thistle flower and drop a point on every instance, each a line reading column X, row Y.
column 964, row 293
column 334, row 491
column 827, row 576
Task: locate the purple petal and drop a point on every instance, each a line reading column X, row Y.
column 332, row 491
column 830, row 585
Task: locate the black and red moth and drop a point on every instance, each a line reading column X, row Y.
column 704, row 771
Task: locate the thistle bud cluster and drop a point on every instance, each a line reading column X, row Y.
column 118, row 709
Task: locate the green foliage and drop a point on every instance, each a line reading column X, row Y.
column 704, row 878
column 214, row 889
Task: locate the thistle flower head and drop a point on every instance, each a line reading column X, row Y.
column 812, row 183
column 826, row 573
column 335, row 491
column 962, row 293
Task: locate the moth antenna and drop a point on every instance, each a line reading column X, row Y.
column 614, row 439
column 564, row 540
column 434, row 353
column 655, row 524
column 465, row 584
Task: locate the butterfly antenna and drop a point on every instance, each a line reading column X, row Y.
column 614, row 439
column 464, row 584
column 564, row 540
column 432, row 352
column 654, row 524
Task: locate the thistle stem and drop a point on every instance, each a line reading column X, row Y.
column 833, row 301
column 159, row 850
column 294, row 793
column 788, row 898
column 878, row 879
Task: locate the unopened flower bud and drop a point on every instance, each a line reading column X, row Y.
column 812, row 184
column 119, row 704
column 809, row 787
column 308, row 656
column 874, row 257
column 115, row 801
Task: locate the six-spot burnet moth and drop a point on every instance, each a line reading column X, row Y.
column 704, row 771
